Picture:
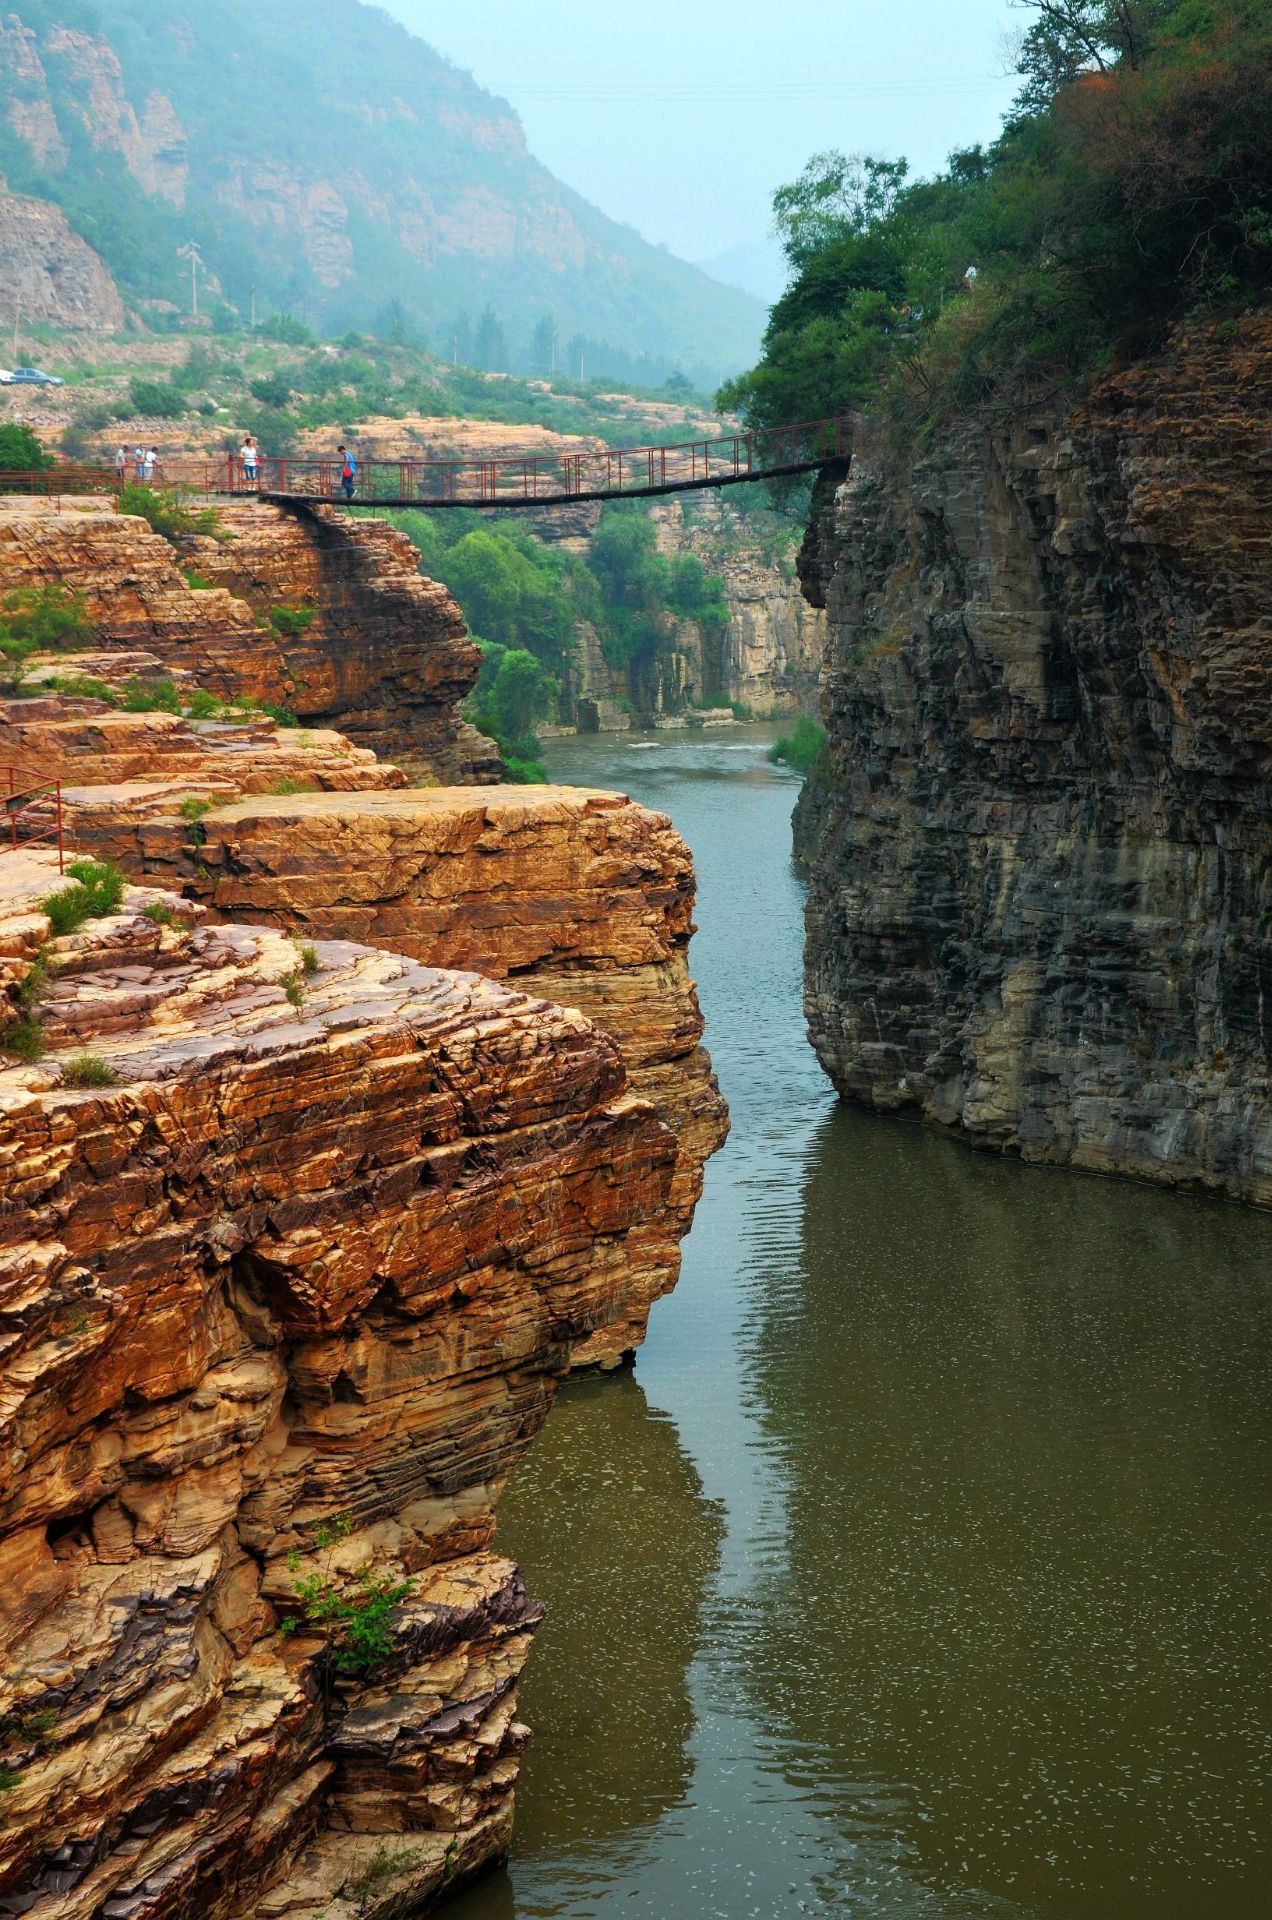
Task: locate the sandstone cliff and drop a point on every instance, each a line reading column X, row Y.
column 384, row 655
column 1041, row 870
column 284, row 1290
column 581, row 896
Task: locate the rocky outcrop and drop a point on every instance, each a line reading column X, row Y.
column 1040, row 893
column 768, row 657
column 581, row 896
column 80, row 741
column 52, row 277
column 326, row 616
column 293, row 1247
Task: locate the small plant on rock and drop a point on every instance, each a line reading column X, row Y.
column 88, row 1070
column 287, row 785
column 98, row 890
column 192, row 810
column 360, row 1620
column 153, row 696
column 161, row 915
column 25, row 1038
column 292, row 621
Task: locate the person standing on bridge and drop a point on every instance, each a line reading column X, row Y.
column 121, row 464
column 249, row 454
column 348, row 471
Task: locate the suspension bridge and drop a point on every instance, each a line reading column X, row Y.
column 548, row 479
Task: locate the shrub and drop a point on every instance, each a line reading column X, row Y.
column 98, row 890
column 154, row 696
column 287, row 786
column 157, row 399
column 25, row 1038
column 88, row 1070
column 202, row 704
column 287, row 330
column 291, row 620
column 293, row 985
column 308, row 958
column 83, row 686
column 281, row 716
column 34, row 619
column 360, row 1621
column 166, row 513
column 800, row 747
column 21, row 452
column 161, row 915
column 524, row 773
column 197, row 581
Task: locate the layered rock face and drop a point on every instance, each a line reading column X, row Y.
column 53, row 276
column 1041, row 848
column 377, row 651
column 286, row 1280
column 581, row 896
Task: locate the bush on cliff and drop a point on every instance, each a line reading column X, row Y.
column 21, row 452
column 1130, row 188
column 166, row 513
column 799, row 748
column 36, row 619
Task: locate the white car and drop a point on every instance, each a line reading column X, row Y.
column 33, row 377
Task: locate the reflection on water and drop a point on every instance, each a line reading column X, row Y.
column 927, row 1574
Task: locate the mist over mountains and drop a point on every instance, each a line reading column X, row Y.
column 327, row 163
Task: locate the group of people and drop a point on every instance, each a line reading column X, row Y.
column 144, row 461
column 249, row 455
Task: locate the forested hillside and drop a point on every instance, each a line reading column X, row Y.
column 1131, row 188
column 322, row 157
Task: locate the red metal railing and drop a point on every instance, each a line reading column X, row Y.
column 32, row 811
column 524, row 479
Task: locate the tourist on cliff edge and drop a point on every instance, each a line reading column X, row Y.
column 249, row 454
column 348, row 471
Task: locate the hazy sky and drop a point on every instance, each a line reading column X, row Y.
column 681, row 116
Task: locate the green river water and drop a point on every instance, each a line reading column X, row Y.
column 921, row 1568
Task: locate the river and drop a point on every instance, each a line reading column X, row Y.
column 921, row 1567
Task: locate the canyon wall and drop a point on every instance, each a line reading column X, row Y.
column 321, row 614
column 1040, row 843
column 286, row 1281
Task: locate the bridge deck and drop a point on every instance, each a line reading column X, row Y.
column 428, row 503
column 573, row 473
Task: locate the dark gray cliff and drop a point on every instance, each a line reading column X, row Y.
column 1040, row 850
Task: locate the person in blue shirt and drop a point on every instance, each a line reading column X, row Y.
column 348, row 471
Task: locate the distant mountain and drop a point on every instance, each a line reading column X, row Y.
column 757, row 267
column 320, row 154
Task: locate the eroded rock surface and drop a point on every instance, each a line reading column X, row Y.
column 321, row 614
column 582, row 896
column 1041, row 849
column 287, row 1275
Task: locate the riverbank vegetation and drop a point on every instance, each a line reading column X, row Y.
column 1131, row 188
column 527, row 601
column 799, row 748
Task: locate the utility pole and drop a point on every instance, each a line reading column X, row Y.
column 17, row 317
column 191, row 249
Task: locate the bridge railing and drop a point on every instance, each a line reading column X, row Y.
column 30, row 813
column 521, row 479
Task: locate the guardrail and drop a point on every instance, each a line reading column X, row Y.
column 515, row 480
column 586, row 474
column 32, row 813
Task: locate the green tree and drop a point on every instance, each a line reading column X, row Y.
column 21, row 452
column 490, row 346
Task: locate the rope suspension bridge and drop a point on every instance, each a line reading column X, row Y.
column 560, row 478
